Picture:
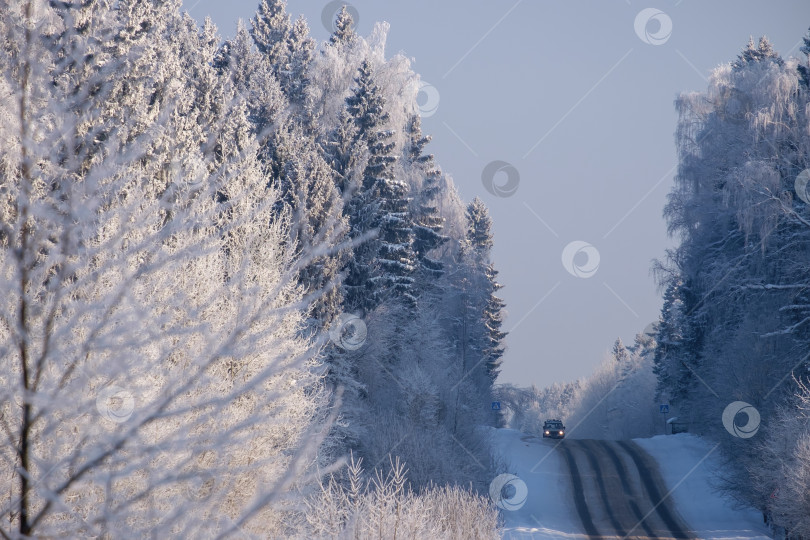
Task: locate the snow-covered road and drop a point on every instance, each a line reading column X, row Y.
column 648, row 488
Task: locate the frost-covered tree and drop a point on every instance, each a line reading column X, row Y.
column 344, row 29
column 476, row 317
column 734, row 321
column 171, row 248
column 339, row 151
column 785, row 465
column 619, row 352
column 678, row 352
column 297, row 80
column 381, row 267
column 804, row 69
column 270, row 28
column 255, row 82
column 393, row 277
column 479, row 227
column 286, row 48
column 156, row 381
column 494, row 311
column 316, row 212
column 736, row 168
column 621, row 356
column 479, row 244
column 427, row 221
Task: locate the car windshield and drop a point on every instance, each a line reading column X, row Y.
column 554, row 425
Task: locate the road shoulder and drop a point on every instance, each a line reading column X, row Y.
column 708, row 513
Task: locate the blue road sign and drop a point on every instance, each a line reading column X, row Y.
column 663, row 409
column 496, row 405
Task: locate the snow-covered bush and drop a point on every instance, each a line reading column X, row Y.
column 782, row 475
column 384, row 507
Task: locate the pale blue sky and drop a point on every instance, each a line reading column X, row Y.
column 582, row 107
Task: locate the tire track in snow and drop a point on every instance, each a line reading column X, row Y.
column 588, row 448
column 621, row 471
column 648, row 479
column 579, row 494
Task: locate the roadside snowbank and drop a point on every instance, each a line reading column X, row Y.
column 688, row 466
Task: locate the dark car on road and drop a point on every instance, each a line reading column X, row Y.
column 554, row 429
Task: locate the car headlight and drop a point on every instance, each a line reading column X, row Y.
column 546, row 432
column 562, row 432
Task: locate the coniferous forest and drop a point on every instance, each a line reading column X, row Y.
column 227, row 267
column 240, row 298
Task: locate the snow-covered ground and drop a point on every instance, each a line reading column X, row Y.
column 709, row 515
column 549, row 510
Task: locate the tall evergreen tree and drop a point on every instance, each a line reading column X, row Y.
column 270, row 29
column 383, row 266
column 428, row 223
column 340, row 151
column 295, row 79
column 254, row 81
column 477, row 318
column 344, row 29
column 489, row 307
column 286, row 48
column 316, row 217
column 493, row 321
column 804, row 69
column 479, row 227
